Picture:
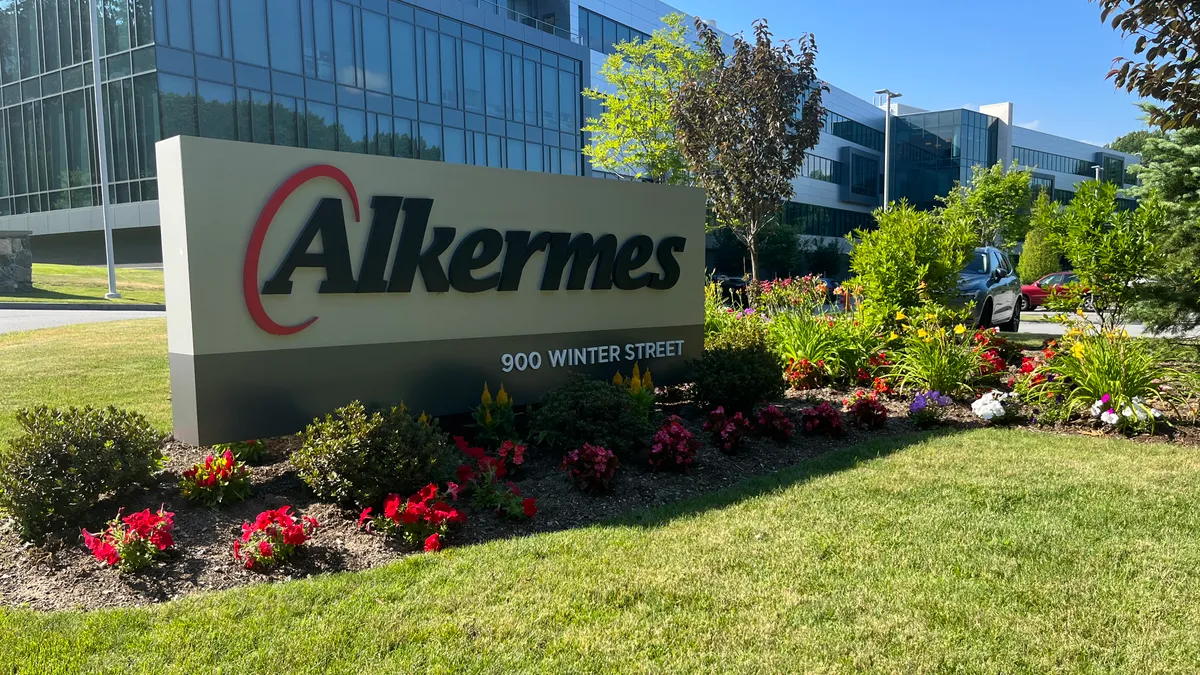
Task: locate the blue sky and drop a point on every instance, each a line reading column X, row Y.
column 1048, row 57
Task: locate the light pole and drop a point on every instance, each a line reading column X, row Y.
column 1097, row 168
column 887, row 146
column 102, row 155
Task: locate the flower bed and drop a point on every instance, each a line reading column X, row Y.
column 63, row 573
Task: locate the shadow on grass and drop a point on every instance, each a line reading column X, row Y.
column 835, row 461
column 43, row 295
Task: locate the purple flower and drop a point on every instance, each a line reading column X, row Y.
column 918, row 404
column 1105, row 399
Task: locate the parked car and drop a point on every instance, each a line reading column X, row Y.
column 1035, row 295
column 990, row 281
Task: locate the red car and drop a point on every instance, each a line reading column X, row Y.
column 1034, row 295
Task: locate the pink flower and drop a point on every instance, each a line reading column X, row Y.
column 452, row 490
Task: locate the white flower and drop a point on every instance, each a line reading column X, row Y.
column 1156, row 412
column 1097, row 408
column 1127, row 411
column 1109, row 417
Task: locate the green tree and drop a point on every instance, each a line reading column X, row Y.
column 1112, row 250
column 739, row 131
column 1134, row 141
column 912, row 257
column 1038, row 256
column 1169, row 173
column 1167, row 67
column 634, row 137
column 996, row 202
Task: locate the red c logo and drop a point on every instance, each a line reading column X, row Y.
column 254, row 252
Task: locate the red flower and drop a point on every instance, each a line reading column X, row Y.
column 265, row 549
column 294, row 536
column 473, row 453
column 452, row 490
column 162, row 539
column 364, row 516
column 464, row 473
column 433, row 543
column 529, row 506
column 426, row 493
column 391, row 507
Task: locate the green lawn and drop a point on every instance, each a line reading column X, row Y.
column 75, row 283
column 988, row 551
column 123, row 363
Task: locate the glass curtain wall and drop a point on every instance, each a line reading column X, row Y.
column 47, row 110
column 933, row 150
column 372, row 77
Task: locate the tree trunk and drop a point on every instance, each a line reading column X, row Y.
column 753, row 246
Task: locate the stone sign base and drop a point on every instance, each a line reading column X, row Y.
column 16, row 262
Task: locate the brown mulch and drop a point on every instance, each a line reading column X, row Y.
column 62, row 574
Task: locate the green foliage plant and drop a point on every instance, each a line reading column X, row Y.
column 67, row 459
column 586, row 410
column 995, row 202
column 355, row 457
column 634, row 136
column 1038, row 256
column 911, row 258
column 1113, row 251
column 933, row 357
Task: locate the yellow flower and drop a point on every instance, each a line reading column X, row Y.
column 893, row 336
column 900, row 316
column 487, row 395
column 487, row 416
column 502, row 397
column 618, row 379
column 635, row 380
column 646, row 381
column 923, row 333
column 1078, row 350
column 960, row 329
column 930, row 317
column 423, row 419
column 1079, row 311
column 928, row 340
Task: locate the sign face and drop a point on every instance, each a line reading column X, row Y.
column 300, row 280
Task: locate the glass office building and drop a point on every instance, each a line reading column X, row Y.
column 366, row 76
column 935, row 149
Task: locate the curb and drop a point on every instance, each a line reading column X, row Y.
column 112, row 307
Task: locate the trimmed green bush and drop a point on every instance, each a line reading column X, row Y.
column 68, row 459
column 737, row 377
column 1038, row 258
column 355, row 457
column 591, row 411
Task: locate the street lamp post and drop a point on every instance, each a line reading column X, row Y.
column 102, row 154
column 887, row 146
column 1097, row 168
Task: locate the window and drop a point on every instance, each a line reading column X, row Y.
column 354, row 130
column 1041, row 183
column 206, row 24
column 323, row 23
column 864, row 175
column 321, row 121
column 177, row 98
column 855, row 132
column 9, row 63
column 345, row 49
column 549, row 97
column 449, row 71
column 284, row 126
column 431, row 142
column 472, row 67
column 601, row 33
column 823, row 221
column 821, row 168
column 250, row 32
column 216, row 111
column 375, row 48
column 1051, row 162
column 455, row 147
column 27, row 39
column 493, row 81
column 284, row 21
column 404, row 60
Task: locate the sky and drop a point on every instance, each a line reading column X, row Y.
column 1048, row 57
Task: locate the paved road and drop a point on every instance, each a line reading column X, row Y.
column 1051, row 328
column 12, row 320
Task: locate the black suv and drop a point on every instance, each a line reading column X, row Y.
column 990, row 282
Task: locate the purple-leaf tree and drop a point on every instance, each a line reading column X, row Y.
column 745, row 124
